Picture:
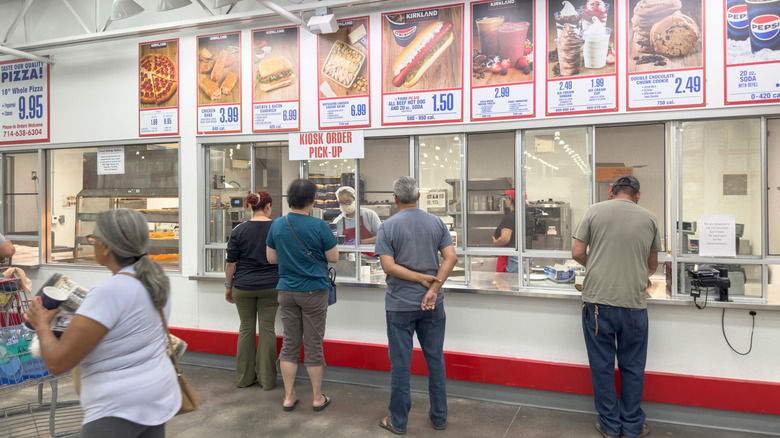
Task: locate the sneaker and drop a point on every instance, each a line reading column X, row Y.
column 604, row 434
column 645, row 432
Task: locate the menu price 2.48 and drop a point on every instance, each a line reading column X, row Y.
column 667, row 89
column 24, row 102
column 421, row 107
column 577, row 95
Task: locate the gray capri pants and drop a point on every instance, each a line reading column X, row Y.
column 303, row 320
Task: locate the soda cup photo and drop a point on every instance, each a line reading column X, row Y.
column 737, row 20
column 764, row 24
column 403, row 32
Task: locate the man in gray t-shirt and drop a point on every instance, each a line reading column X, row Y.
column 408, row 245
column 617, row 241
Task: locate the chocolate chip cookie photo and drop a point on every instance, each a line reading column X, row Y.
column 665, row 35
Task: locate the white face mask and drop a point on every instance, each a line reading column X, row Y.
column 347, row 209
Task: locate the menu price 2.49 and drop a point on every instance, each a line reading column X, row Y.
column 24, row 102
column 577, row 95
column 432, row 106
column 666, row 89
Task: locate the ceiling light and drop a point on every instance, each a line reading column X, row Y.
column 220, row 3
column 561, row 142
column 169, row 5
column 425, row 155
column 124, row 9
column 456, row 138
column 423, row 163
column 437, row 148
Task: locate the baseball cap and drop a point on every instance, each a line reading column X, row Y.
column 511, row 194
column 628, row 181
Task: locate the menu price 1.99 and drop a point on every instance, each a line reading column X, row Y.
column 24, row 103
column 665, row 89
column 582, row 95
column 163, row 121
column 276, row 116
column 422, row 107
column 345, row 112
column 219, row 118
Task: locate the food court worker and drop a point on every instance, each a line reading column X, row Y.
column 345, row 222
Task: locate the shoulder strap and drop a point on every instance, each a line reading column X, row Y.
column 167, row 332
column 306, row 249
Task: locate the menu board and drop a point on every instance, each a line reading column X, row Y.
column 666, row 54
column 422, row 66
column 343, row 75
column 752, row 51
column 219, row 86
column 158, row 86
column 581, row 57
column 275, row 77
column 24, row 102
column 502, row 66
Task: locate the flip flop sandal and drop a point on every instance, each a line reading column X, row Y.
column 322, row 406
column 290, row 408
column 387, row 425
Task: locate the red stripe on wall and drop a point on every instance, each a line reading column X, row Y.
column 705, row 392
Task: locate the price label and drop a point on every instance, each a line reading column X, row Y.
column 666, row 89
column 277, row 116
column 502, row 102
column 422, row 107
column 220, row 118
column 582, row 95
column 159, row 121
column 24, row 102
column 756, row 83
column 352, row 112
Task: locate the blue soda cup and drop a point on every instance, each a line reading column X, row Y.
column 764, row 19
column 737, row 20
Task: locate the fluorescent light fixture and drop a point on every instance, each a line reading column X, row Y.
column 220, row 3
column 122, row 9
column 169, row 5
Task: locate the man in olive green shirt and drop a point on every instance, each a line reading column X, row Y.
column 618, row 242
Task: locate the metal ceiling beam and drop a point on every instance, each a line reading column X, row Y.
column 26, row 55
column 17, row 20
column 298, row 21
column 208, row 11
column 76, row 16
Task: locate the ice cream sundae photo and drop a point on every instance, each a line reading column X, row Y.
column 583, row 38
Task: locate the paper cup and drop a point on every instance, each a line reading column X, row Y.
column 53, row 297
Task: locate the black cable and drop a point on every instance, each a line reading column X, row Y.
column 706, row 296
column 752, row 330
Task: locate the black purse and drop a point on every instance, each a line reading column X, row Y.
column 329, row 272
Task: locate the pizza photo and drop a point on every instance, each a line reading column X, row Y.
column 158, row 75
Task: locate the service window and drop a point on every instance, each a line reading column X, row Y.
column 87, row 181
column 20, row 210
column 720, row 185
column 773, row 180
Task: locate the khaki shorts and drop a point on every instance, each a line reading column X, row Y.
column 303, row 319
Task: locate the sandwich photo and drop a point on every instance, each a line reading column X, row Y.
column 421, row 53
column 274, row 72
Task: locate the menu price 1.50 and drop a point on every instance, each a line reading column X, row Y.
column 423, row 107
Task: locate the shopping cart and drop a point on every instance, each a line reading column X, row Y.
column 19, row 370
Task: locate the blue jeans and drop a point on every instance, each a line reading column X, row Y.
column 611, row 331
column 511, row 264
column 429, row 326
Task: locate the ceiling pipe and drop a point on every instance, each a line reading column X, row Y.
column 31, row 56
column 298, row 21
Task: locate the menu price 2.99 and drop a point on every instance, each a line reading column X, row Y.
column 24, row 102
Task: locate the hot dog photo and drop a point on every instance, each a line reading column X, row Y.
column 422, row 49
column 219, row 69
column 275, row 64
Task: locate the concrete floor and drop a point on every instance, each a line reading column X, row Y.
column 357, row 407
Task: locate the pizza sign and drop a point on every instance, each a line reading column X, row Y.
column 158, row 86
column 24, row 102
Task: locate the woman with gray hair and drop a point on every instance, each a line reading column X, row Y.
column 128, row 382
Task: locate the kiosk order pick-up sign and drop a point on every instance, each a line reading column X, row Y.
column 326, row 145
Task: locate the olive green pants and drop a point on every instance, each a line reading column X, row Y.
column 256, row 359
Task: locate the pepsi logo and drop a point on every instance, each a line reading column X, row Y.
column 765, row 27
column 737, row 16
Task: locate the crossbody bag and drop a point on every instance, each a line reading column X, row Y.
column 329, row 272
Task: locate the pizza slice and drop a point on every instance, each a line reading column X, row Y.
column 164, row 89
column 146, row 88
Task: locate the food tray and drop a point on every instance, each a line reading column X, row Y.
column 344, row 59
